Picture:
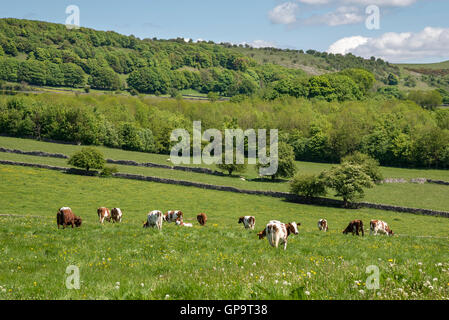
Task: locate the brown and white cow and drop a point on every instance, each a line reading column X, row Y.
column 173, row 216
column 248, row 221
column 104, row 214
column 66, row 217
column 355, row 227
column 154, row 220
column 116, row 215
column 322, row 225
column 278, row 232
column 379, row 226
column 202, row 219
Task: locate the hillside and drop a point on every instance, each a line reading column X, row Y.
column 47, row 54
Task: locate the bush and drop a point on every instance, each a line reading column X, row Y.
column 108, row 172
column 87, row 158
column 286, row 162
column 369, row 165
column 348, row 180
column 308, row 185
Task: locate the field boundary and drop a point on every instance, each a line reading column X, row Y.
column 193, row 169
column 275, row 194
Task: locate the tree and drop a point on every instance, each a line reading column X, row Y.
column 286, row 162
column 104, row 79
column 369, row 165
column 233, row 167
column 348, row 180
column 308, row 185
column 392, row 80
column 363, row 78
column 87, row 158
column 428, row 100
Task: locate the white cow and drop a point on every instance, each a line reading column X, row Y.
column 278, row 232
column 378, row 226
column 322, row 225
column 116, row 215
column 182, row 224
column 154, row 219
column 248, row 221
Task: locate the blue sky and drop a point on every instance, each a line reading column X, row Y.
column 410, row 30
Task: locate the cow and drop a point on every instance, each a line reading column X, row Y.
column 182, row 224
column 173, row 216
column 322, row 225
column 378, row 226
column 278, row 232
column 202, row 219
column 66, row 217
column 104, row 214
column 116, row 215
column 248, row 221
column 154, row 219
column 355, row 227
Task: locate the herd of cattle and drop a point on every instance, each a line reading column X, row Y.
column 275, row 231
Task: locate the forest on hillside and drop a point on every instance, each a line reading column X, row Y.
column 48, row 54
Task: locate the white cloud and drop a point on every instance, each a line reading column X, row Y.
column 341, row 16
column 386, row 3
column 398, row 47
column 284, row 13
column 262, row 44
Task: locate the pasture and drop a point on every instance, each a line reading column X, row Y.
column 219, row 261
column 427, row 196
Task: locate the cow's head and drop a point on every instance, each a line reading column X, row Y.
column 241, row 219
column 146, row 224
column 390, row 232
column 78, row 221
column 261, row 234
column 293, row 228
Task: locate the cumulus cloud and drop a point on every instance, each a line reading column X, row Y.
column 386, row 3
column 398, row 47
column 346, row 12
column 284, row 13
column 342, row 16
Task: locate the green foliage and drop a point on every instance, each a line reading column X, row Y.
column 348, row 180
column 285, row 161
column 212, row 96
column 364, row 79
column 392, row 80
column 108, row 172
column 391, row 92
column 87, row 158
column 369, row 165
column 334, row 87
column 232, row 167
column 426, row 99
column 149, row 80
column 308, row 185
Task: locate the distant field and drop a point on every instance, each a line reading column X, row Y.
column 434, row 66
column 428, row 196
column 219, row 261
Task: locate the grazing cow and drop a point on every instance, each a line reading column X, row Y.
column 249, row 222
column 104, row 214
column 262, row 234
column 378, row 226
column 202, row 219
column 173, row 216
column 154, row 219
column 322, row 225
column 355, row 227
column 66, row 217
column 116, row 215
column 278, row 232
column 182, row 224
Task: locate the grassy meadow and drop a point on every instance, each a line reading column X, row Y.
column 428, row 196
column 219, row 261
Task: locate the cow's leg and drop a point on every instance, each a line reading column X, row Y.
column 285, row 245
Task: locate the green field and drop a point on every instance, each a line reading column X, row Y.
column 428, row 196
column 219, row 261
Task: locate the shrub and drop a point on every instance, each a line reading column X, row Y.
column 108, row 172
column 348, row 180
column 308, row 185
column 286, row 162
column 369, row 165
column 87, row 158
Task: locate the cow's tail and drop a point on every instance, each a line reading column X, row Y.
column 363, row 231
